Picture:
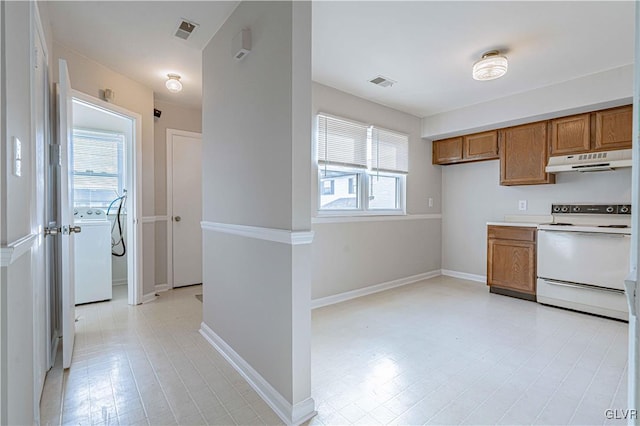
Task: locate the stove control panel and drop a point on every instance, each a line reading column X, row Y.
column 591, row 209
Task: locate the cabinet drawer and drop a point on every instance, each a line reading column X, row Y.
column 512, row 233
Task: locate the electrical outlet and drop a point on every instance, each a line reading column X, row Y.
column 522, row 205
column 430, row 202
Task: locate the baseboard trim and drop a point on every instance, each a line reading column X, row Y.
column 290, row 415
column 269, row 234
column 122, row 281
column 149, row 297
column 465, row 276
column 162, row 287
column 348, row 295
column 13, row 251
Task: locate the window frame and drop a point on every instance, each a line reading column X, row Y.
column 121, row 160
column 364, row 175
column 362, row 193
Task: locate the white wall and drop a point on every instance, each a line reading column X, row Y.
column 472, row 196
column 256, row 172
column 173, row 117
column 352, row 255
column 89, row 76
column 595, row 91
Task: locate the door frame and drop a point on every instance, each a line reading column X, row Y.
column 134, row 180
column 169, row 141
column 40, row 319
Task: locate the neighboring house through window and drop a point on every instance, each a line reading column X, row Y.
column 362, row 168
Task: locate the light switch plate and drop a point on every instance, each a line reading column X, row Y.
column 17, row 157
column 522, row 205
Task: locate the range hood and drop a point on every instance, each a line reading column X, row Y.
column 590, row 162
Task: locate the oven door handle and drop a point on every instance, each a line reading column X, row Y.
column 588, row 234
column 582, row 286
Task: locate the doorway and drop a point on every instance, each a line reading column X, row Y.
column 184, row 208
column 106, row 170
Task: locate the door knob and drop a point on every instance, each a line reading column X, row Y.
column 178, row 218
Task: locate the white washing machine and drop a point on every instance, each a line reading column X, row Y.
column 92, row 255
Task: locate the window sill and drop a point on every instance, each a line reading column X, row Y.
column 360, row 213
column 321, row 219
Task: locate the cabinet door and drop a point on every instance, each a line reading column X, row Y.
column 511, row 265
column 523, row 155
column 613, row 128
column 570, row 135
column 481, row 146
column 447, row 151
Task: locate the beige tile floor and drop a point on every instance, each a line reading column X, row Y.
column 147, row 365
column 443, row 351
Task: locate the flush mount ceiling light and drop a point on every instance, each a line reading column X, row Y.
column 491, row 66
column 173, row 83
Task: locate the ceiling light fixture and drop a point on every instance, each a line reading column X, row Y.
column 491, row 66
column 173, row 83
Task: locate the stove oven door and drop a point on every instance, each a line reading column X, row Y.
column 594, row 258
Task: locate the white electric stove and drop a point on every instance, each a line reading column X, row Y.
column 583, row 258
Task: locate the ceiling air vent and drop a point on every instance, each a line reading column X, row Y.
column 185, row 29
column 383, row 81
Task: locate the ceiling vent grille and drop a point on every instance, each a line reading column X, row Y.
column 185, row 29
column 382, row 81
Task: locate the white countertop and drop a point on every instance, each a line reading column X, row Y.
column 527, row 221
column 521, row 224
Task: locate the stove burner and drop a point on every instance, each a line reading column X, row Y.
column 613, row 226
column 561, row 224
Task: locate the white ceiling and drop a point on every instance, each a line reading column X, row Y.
column 136, row 38
column 428, row 47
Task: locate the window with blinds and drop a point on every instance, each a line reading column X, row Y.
column 362, row 168
column 389, row 151
column 98, row 167
column 342, row 142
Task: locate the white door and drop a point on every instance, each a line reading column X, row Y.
column 184, row 174
column 42, row 352
column 65, row 213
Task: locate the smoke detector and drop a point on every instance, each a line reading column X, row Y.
column 382, row 81
column 185, row 28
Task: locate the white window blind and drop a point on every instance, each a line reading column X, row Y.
column 98, row 167
column 389, row 151
column 341, row 143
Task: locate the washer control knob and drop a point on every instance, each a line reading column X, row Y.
column 576, row 209
column 565, row 209
column 556, row 208
column 610, row 209
column 624, row 209
column 89, row 211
